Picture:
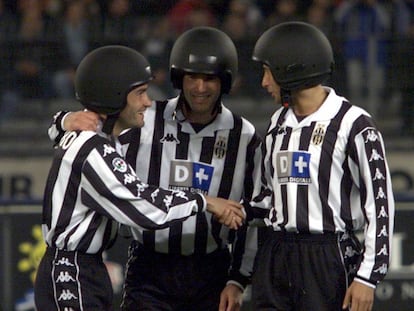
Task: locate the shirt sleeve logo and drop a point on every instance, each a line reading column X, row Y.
column 119, row 165
column 293, row 167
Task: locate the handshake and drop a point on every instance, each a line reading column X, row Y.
column 227, row 212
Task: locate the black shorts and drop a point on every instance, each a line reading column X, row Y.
column 301, row 272
column 161, row 282
column 72, row 281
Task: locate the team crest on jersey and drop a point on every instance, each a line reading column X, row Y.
column 119, row 165
column 220, row 147
column 318, row 134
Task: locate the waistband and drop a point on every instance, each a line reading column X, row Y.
column 54, row 252
column 305, row 237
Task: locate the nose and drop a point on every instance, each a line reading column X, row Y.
column 200, row 84
column 147, row 100
column 265, row 81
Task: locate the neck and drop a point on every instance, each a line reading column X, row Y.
column 306, row 102
column 117, row 130
column 199, row 118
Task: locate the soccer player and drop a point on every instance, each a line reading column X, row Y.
column 90, row 186
column 327, row 179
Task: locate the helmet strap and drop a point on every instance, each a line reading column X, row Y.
column 109, row 123
column 286, row 97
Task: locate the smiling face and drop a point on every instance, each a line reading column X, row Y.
column 201, row 92
column 133, row 113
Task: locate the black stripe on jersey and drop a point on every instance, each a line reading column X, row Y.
column 359, row 125
column 89, row 235
column 70, row 195
column 325, row 166
column 156, row 150
column 302, row 214
column 283, row 188
column 51, row 181
column 174, row 236
column 346, row 187
column 201, row 233
column 181, row 150
column 132, row 138
column 207, row 145
column 231, row 158
column 175, row 230
column 200, row 244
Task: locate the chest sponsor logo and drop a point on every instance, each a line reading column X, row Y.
column 293, row 167
column 186, row 175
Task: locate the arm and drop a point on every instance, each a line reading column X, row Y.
column 112, row 187
column 370, row 172
column 72, row 121
column 245, row 246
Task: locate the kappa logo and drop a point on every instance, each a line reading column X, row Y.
column 64, row 276
column 190, row 175
column 282, row 130
column 66, row 295
column 169, row 137
column 64, row 261
column 371, row 136
column 293, row 167
column 108, row 149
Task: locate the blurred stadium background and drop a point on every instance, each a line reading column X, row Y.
column 41, row 42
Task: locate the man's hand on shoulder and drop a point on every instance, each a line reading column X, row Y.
column 81, row 121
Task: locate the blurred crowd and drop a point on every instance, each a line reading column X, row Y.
column 44, row 40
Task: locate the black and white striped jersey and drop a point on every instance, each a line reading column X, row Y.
column 221, row 160
column 90, row 185
column 328, row 173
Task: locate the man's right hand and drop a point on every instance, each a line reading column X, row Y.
column 228, row 212
column 81, row 121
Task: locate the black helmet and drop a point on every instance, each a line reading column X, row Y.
column 204, row 50
column 298, row 54
column 106, row 75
